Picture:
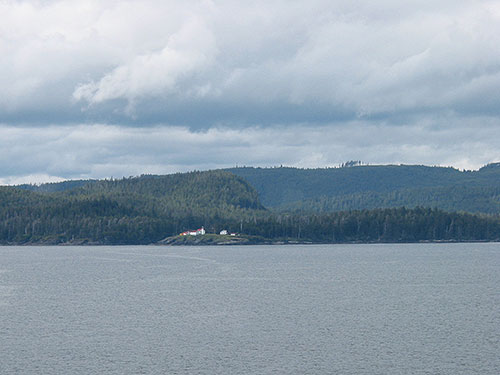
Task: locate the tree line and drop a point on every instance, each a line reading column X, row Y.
column 146, row 209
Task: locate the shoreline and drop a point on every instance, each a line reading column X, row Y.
column 239, row 241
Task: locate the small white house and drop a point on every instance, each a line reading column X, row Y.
column 223, row 232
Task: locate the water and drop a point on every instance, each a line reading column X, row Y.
column 346, row 309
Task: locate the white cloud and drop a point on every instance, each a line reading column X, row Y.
column 357, row 57
column 187, row 52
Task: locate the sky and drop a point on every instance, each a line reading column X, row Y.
column 99, row 89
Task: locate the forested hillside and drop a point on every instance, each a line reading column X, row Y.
column 359, row 187
column 365, row 187
column 456, row 198
column 146, row 209
column 134, row 210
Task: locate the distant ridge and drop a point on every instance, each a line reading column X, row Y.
column 380, row 186
column 51, row 187
column 357, row 186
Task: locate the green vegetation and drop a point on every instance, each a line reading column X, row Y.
column 155, row 209
column 379, row 225
column 55, row 186
column 367, row 187
column 456, row 198
column 128, row 211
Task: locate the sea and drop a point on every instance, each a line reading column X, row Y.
column 299, row 309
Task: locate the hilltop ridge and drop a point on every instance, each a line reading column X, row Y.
column 379, row 186
column 352, row 187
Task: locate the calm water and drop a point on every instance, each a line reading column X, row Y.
column 346, row 309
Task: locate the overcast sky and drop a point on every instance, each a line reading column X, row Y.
column 93, row 89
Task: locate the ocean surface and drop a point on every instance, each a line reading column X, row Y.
column 320, row 309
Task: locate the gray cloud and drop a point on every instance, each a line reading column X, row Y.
column 149, row 62
column 118, row 88
column 99, row 151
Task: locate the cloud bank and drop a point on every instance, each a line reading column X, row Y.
column 101, row 151
column 161, row 61
column 280, row 69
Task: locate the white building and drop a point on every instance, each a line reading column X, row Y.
column 197, row 232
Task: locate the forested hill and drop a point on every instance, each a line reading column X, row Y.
column 147, row 209
column 208, row 190
column 348, row 188
column 133, row 210
column 384, row 186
